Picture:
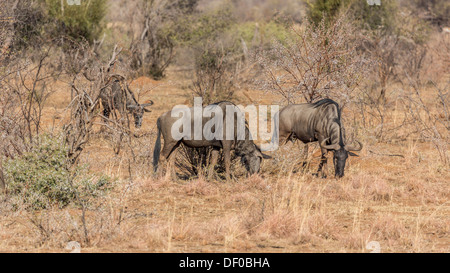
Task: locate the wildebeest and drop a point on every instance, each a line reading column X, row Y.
column 118, row 95
column 319, row 121
column 250, row 154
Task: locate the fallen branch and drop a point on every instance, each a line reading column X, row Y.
column 402, row 156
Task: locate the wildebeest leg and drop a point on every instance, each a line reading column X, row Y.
column 167, row 151
column 284, row 136
column 170, row 170
column 323, row 164
column 227, row 158
column 305, row 154
column 213, row 162
column 106, row 113
column 106, row 110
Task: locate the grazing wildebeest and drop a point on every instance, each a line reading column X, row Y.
column 117, row 95
column 244, row 147
column 320, row 121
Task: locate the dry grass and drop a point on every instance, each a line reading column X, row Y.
column 401, row 202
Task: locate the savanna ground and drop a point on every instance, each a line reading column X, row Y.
column 396, row 194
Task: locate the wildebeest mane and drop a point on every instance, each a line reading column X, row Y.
column 326, row 102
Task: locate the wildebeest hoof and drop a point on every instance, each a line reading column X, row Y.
column 321, row 175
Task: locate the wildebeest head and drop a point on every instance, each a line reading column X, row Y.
column 137, row 111
column 341, row 154
column 252, row 160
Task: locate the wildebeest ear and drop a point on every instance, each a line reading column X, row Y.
column 352, row 154
column 266, row 156
column 147, row 110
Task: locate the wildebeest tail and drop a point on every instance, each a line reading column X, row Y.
column 157, row 149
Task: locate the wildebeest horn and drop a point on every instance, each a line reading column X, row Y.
column 258, row 149
column 147, row 104
column 353, row 147
column 329, row 147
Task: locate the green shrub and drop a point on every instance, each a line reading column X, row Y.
column 42, row 177
column 369, row 16
column 194, row 29
column 375, row 17
column 317, row 9
column 78, row 21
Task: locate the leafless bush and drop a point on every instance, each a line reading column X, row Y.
column 401, row 55
column 25, row 88
column 153, row 50
column 430, row 124
column 322, row 61
column 89, row 80
column 397, row 50
column 20, row 23
column 384, row 50
column 438, row 57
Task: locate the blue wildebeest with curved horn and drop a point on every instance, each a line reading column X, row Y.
column 319, row 121
column 117, row 95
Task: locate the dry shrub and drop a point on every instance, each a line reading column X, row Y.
column 160, row 30
column 321, row 62
column 26, row 85
column 438, row 57
column 91, row 80
column 53, row 228
column 429, row 123
column 217, row 72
